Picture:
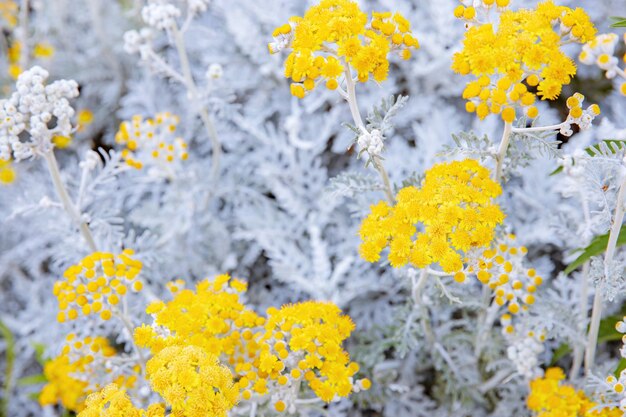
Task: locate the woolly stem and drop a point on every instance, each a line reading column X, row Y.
column 356, row 116
column 504, row 145
column 418, row 286
column 68, row 205
column 596, row 313
column 578, row 349
column 24, row 47
column 194, row 96
column 537, row 128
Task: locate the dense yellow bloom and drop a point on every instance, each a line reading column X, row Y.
column 334, row 36
column 550, row 398
column 61, row 387
column 111, row 401
column 7, row 173
column 312, row 332
column 451, row 212
column 151, row 141
column 99, row 281
column 296, row 343
column 71, row 373
column 192, row 382
column 518, row 56
column 213, row 317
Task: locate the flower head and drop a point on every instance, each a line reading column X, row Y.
column 111, row 401
column 520, row 59
column 152, row 142
column 335, row 35
column 451, row 212
column 96, row 284
column 192, row 381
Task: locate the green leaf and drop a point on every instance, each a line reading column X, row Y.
column 557, row 171
column 618, row 22
column 606, row 147
column 32, row 380
column 39, row 351
column 607, row 331
column 6, row 334
column 561, row 351
column 595, row 248
column 620, row 367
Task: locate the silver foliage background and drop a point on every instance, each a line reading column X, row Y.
column 290, row 197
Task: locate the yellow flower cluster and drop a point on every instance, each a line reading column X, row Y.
column 98, row 281
column 550, row 398
column 192, row 381
column 9, row 11
column 304, row 342
column 334, row 36
column 520, row 59
column 212, row 317
column 453, row 211
column 151, row 141
column 501, row 268
column 14, row 52
column 70, row 374
column 7, row 173
column 469, row 13
column 295, row 343
column 111, row 401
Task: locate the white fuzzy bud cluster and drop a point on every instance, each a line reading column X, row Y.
column 600, row 52
column 138, row 42
column 161, row 16
column 214, row 72
column 198, row 6
column 525, row 346
column 43, row 111
column 371, row 143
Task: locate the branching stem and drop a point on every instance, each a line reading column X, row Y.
column 358, row 121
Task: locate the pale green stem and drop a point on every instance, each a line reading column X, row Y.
column 578, row 349
column 24, row 47
column 194, row 96
column 66, row 201
column 356, row 116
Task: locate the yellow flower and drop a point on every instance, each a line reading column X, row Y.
column 524, row 48
column 111, row 401
column 549, row 397
column 334, row 35
column 192, row 381
column 98, row 281
column 7, row 173
column 70, row 374
column 151, row 141
column 9, row 12
column 296, row 343
column 43, row 50
column 452, row 212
